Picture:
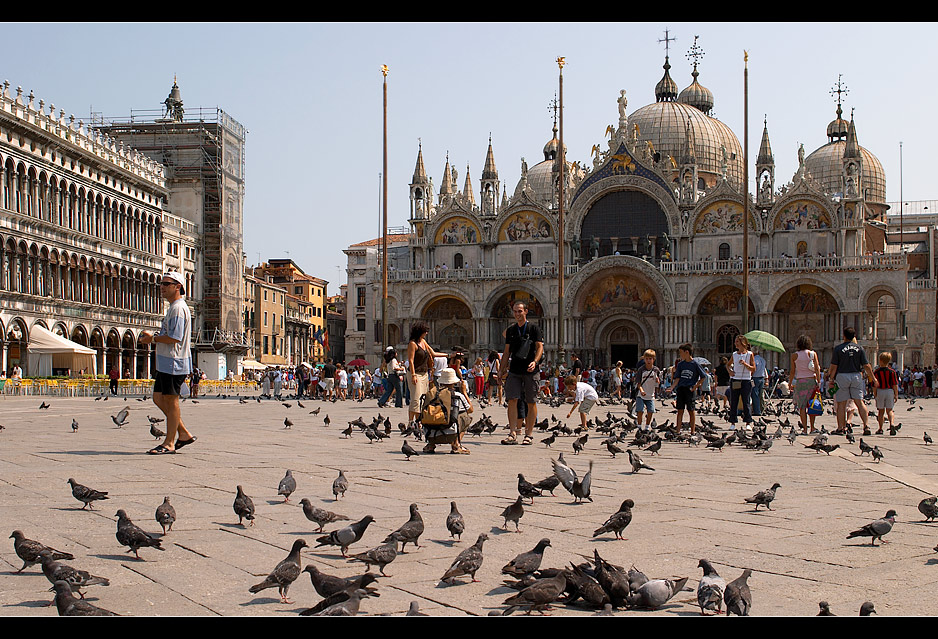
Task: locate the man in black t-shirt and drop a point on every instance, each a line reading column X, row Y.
column 328, row 377
column 524, row 348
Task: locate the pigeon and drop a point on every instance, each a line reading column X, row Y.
column 929, row 508
column 467, row 562
column 864, row 447
column 156, row 432
column 347, row 608
column 527, row 562
column 300, row 404
column 548, row 484
column 76, row 579
column 927, row 438
column 340, row 485
column 613, row 579
column 284, row 574
column 166, row 515
column 877, row 454
column 75, row 425
column 411, row 530
column 737, row 597
column 408, row 450
column 345, row 537
column 337, row 590
column 348, row 431
column 382, row 555
column 527, row 489
column 655, row 447
column 86, row 495
column 414, row 610
column 134, row 537
column 288, row 405
column 315, row 412
column 867, row 609
column 710, row 589
column 121, row 417
column 548, row 441
column 825, row 610
column 579, row 443
column 287, row 486
column 69, row 606
column 455, row 523
column 618, row 521
column 28, row 550
column 319, row 515
column 655, row 593
column 326, row 421
column 637, row 462
column 539, row 595
column 287, row 423
column 568, row 477
column 44, row 406
column 514, row 513
column 876, row 529
column 615, row 450
column 243, row 507
column 764, row 497
column 154, row 420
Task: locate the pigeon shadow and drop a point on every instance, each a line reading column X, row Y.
column 88, row 452
column 449, row 543
column 497, row 530
column 28, row 604
column 118, row 557
column 274, row 502
column 261, row 600
column 227, row 525
column 931, row 562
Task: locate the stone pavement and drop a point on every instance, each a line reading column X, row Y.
column 690, row 508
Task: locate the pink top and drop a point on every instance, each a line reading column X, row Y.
column 804, row 359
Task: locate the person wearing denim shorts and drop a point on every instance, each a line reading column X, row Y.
column 647, row 378
column 848, row 366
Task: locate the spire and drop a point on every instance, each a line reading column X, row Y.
column 765, row 150
column 690, row 147
column 666, row 89
column 446, row 188
column 467, row 189
column 852, row 150
column 420, row 173
column 489, row 172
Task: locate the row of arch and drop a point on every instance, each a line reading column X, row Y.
column 64, row 203
column 34, row 269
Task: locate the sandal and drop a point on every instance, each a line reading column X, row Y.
column 527, row 441
column 161, row 450
column 510, row 440
column 459, row 451
column 180, row 443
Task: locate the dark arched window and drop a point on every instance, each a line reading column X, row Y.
column 525, row 258
column 724, row 251
column 726, row 336
column 457, row 261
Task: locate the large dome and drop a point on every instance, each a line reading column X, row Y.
column 665, row 123
column 826, row 166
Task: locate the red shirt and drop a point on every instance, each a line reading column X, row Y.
column 886, row 377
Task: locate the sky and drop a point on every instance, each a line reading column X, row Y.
column 310, row 96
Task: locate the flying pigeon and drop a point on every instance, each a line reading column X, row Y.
column 284, row 574
column 243, row 507
column 340, row 485
column 514, row 513
column 618, row 521
column 28, row 550
column 455, row 523
column 737, row 597
column 710, row 589
column 527, row 562
column 345, row 537
column 86, row 495
column 166, row 515
column 132, row 536
column 76, row 579
column 764, row 497
column 319, row 515
column 876, row 529
column 411, row 530
column 69, row 606
column 467, row 562
column 121, row 417
column 380, row 556
column 287, row 486
column 568, row 477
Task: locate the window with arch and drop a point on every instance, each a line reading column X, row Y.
column 525, row 258
column 726, row 336
column 802, row 249
column 457, row 261
column 724, row 251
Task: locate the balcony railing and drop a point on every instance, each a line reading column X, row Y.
column 923, row 285
column 782, row 264
column 463, row 274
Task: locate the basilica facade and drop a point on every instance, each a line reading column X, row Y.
column 653, row 236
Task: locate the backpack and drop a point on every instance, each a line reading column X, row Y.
column 436, row 408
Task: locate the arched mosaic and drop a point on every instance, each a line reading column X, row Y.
column 502, row 307
column 524, row 225
column 723, row 300
column 447, row 308
column 722, row 217
column 800, row 215
column 618, row 291
column 806, row 298
column 458, row 230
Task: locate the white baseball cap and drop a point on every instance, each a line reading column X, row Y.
column 177, row 277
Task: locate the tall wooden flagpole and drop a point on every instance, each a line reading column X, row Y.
column 745, row 328
column 561, row 353
column 384, row 234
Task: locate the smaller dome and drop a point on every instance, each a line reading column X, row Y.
column 837, row 129
column 666, row 89
column 552, row 148
column 697, row 95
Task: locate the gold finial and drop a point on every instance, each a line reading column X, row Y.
column 745, row 56
column 384, row 70
column 561, row 61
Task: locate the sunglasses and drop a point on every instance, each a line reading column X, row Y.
column 168, row 283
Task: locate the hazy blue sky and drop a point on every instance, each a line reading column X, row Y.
column 310, row 96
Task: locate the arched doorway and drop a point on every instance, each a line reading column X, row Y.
column 17, row 339
column 622, row 342
column 720, row 308
column 807, row 309
column 450, row 320
column 97, row 343
column 502, row 315
column 128, row 360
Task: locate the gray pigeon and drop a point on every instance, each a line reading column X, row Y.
column 74, row 425
column 156, row 432
column 76, row 579
column 86, row 495
column 347, row 608
column 69, row 606
column 548, row 484
column 655, row 593
column 345, row 537
column 825, row 609
column 710, row 589
column 287, row 423
column 382, row 555
column 121, row 418
column 539, row 595
column 166, row 515
column 319, row 515
column 867, row 609
column 340, row 485
column 455, row 523
column 568, row 477
column 28, row 550
column 284, row 574
column 618, row 521
column 737, row 597
column 929, row 508
column 876, row 529
column 414, row 610
column 335, row 590
column 134, row 537
column 408, row 450
column 514, row 513
column 527, row 562
column 410, row 532
column 243, row 507
column 764, row 497
column 637, row 462
column 467, row 562
column 287, row 486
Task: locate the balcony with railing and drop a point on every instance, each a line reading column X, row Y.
column 785, row 264
column 464, row 274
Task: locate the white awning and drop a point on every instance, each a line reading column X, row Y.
column 251, row 364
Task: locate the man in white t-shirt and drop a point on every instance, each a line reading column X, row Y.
column 173, row 361
column 584, row 397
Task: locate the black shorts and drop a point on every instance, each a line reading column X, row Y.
column 515, row 382
column 168, row 384
column 685, row 397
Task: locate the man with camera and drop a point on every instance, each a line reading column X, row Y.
column 524, row 348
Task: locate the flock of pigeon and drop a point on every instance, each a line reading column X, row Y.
column 598, row 584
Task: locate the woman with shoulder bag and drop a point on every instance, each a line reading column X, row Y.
column 744, row 364
column 392, row 375
column 420, row 355
column 806, row 372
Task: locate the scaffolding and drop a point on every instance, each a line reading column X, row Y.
column 203, row 151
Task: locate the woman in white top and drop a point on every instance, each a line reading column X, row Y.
column 806, row 373
column 617, row 381
column 743, row 365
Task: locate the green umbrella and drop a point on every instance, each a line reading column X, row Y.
column 765, row 340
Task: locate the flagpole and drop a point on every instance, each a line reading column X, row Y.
column 384, row 234
column 745, row 328
column 561, row 353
